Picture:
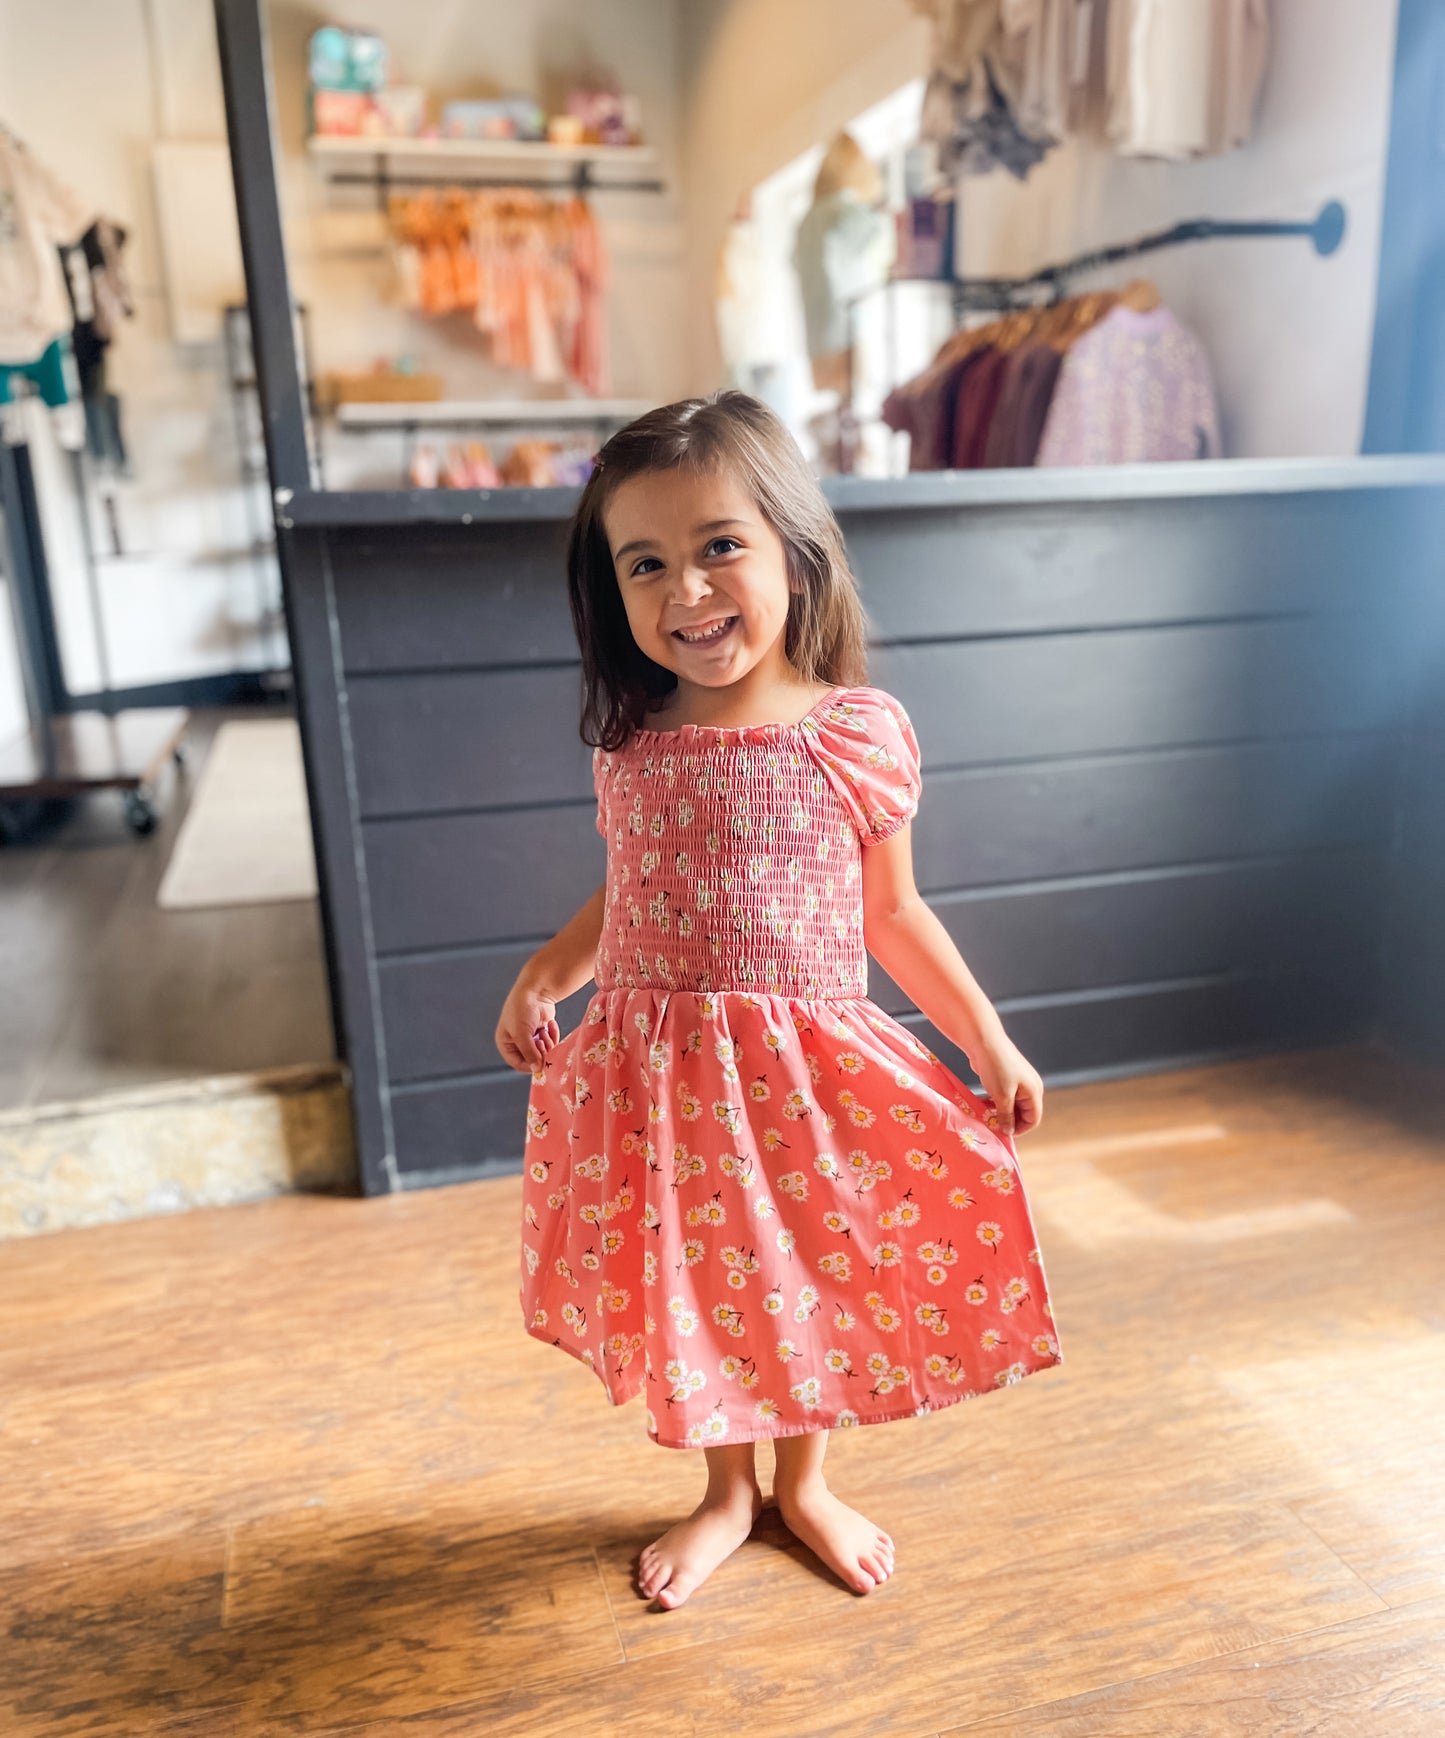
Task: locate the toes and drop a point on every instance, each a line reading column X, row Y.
column 865, row 1582
column 675, row 1592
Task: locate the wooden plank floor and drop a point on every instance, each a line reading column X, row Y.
column 101, row 990
column 295, row 1468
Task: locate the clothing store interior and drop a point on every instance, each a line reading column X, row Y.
column 1114, row 331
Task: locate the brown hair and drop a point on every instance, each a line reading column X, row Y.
column 825, row 634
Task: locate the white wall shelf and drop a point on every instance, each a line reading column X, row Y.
column 494, row 412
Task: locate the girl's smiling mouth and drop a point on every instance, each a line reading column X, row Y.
column 706, row 635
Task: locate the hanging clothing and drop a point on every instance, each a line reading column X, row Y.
column 926, row 409
column 1017, row 424
column 47, row 374
column 1136, row 388
column 843, row 249
column 1043, row 64
column 975, row 129
column 1184, row 75
column 978, row 396
column 1105, row 377
column 38, row 213
column 531, row 271
column 1007, row 82
column 100, row 298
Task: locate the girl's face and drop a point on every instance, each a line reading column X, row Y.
column 703, row 576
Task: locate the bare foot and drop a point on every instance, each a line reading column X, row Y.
column 686, row 1554
column 846, row 1541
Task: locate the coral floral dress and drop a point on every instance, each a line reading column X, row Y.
column 748, row 1191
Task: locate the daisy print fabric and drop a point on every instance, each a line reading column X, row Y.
column 749, row 1193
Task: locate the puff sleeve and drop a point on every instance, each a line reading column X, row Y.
column 600, row 767
column 865, row 744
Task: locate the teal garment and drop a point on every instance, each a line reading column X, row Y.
column 843, row 249
column 47, row 376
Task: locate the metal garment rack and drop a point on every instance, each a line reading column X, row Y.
column 581, row 179
column 1010, row 295
column 995, row 295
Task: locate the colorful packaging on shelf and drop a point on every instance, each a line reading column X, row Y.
column 607, row 117
column 401, row 109
column 346, row 60
column 500, row 118
column 343, row 114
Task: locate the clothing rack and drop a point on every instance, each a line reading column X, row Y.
column 1001, row 295
column 581, row 179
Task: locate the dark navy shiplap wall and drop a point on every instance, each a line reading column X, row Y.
column 1163, row 744
column 1412, row 1002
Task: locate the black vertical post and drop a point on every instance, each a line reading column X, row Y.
column 246, row 80
column 308, row 593
column 41, row 666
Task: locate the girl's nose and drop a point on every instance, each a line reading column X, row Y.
column 692, row 582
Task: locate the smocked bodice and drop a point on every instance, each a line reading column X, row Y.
column 734, row 857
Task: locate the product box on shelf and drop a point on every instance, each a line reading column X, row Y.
column 377, row 386
column 499, row 118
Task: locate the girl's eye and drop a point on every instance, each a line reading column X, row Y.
column 643, row 564
column 717, row 540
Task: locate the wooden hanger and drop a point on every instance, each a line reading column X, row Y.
column 1142, row 295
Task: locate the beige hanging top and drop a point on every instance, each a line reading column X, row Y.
column 38, row 213
column 1184, row 75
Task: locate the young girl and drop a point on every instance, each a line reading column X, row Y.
column 747, row 1189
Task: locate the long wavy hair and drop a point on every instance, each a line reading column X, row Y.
column 826, row 630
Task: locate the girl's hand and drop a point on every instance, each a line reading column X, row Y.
column 527, row 1029
column 1014, row 1085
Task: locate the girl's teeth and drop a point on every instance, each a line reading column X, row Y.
column 710, row 634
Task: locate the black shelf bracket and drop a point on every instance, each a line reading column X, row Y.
column 978, row 295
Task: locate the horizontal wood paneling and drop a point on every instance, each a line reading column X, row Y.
column 1035, row 696
column 495, row 594
column 1042, row 940
column 455, row 740
column 1077, row 817
column 1162, row 753
column 484, row 595
column 975, row 828
column 462, row 741
column 469, row 1126
column 440, row 1012
column 449, row 879
column 1151, row 1027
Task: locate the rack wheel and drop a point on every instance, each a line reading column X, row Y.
column 140, row 814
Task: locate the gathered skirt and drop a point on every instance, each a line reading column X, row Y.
column 772, row 1215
